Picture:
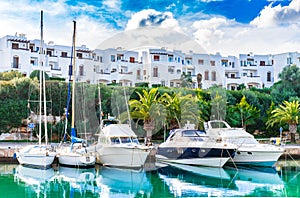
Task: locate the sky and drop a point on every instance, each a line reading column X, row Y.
column 230, row 27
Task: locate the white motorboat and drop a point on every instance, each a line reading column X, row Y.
column 75, row 155
column 193, row 147
column 39, row 156
column 118, row 146
column 249, row 150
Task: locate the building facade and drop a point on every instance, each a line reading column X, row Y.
column 159, row 66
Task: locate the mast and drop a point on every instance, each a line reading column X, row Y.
column 73, row 132
column 44, row 86
column 40, row 83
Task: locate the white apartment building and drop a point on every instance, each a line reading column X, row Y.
column 153, row 65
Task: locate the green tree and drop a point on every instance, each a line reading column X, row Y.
column 181, row 109
column 242, row 114
column 288, row 113
column 36, row 73
column 148, row 109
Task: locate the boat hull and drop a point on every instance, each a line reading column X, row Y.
column 74, row 160
column 252, row 157
column 36, row 156
column 213, row 157
column 122, row 156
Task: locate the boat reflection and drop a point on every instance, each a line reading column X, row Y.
column 38, row 180
column 77, row 181
column 123, row 183
column 194, row 181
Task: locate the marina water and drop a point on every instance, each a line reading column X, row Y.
column 160, row 181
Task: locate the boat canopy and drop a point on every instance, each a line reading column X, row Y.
column 118, row 130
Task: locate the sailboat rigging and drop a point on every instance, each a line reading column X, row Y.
column 39, row 156
column 75, row 155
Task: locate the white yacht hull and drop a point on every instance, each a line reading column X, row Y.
column 122, row 156
column 256, row 156
column 36, row 156
column 211, row 162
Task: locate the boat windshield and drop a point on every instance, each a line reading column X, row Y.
column 115, row 140
column 135, row 140
column 218, row 124
column 125, row 140
column 192, row 133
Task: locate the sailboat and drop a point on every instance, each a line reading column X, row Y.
column 40, row 155
column 75, row 155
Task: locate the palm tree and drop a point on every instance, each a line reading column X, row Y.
column 289, row 113
column 181, row 109
column 149, row 110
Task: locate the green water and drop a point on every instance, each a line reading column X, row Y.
column 162, row 181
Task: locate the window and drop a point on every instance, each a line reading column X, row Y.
column 170, row 58
column 262, row 63
column 269, row 77
column 120, row 57
column 64, row 54
column 156, row 57
column 79, row 55
column 213, row 63
column 232, row 75
column 15, row 62
column 163, row 83
column 15, row 46
column 206, row 75
column 81, row 70
column 112, row 58
column 138, row 74
column 289, row 60
column 224, row 63
column 155, row 72
column 213, row 76
column 200, row 62
column 171, row 84
column 49, row 52
column 131, row 59
column 171, row 69
column 100, row 59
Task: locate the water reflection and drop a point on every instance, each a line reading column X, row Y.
column 36, row 180
column 192, row 181
column 123, row 182
column 80, row 181
column 164, row 181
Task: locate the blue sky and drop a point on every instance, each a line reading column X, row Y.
column 226, row 26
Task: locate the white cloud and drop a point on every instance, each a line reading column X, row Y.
column 112, row 4
column 210, row 30
column 24, row 17
column 279, row 15
column 152, row 17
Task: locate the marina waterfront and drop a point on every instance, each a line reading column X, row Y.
column 156, row 180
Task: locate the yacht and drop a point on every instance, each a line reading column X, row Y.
column 192, row 147
column 249, row 150
column 118, row 146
